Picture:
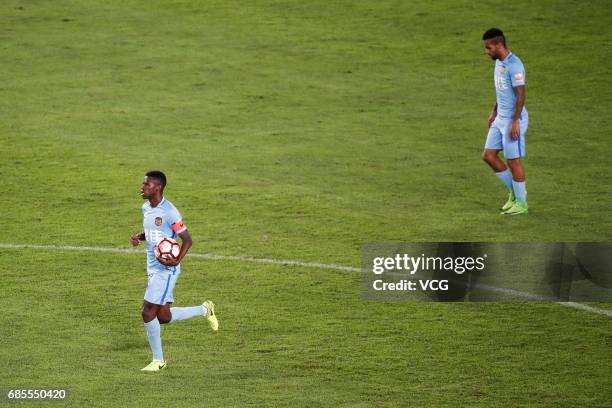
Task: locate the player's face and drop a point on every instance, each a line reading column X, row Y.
column 149, row 188
column 493, row 48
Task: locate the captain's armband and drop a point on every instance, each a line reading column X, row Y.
column 179, row 226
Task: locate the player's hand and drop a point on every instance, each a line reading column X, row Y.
column 135, row 240
column 515, row 130
column 491, row 119
column 168, row 262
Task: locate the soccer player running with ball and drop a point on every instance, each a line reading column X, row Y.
column 508, row 122
column 162, row 220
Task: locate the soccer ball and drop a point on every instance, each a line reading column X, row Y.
column 167, row 249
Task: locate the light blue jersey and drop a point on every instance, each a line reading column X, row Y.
column 163, row 221
column 508, row 74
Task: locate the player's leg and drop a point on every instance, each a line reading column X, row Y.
column 493, row 146
column 168, row 314
column 149, row 316
column 149, row 311
column 176, row 314
column 490, row 156
column 514, row 150
column 519, row 186
column 163, row 313
column 517, row 170
column 183, row 313
column 158, row 282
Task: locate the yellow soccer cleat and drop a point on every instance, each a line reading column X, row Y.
column 210, row 316
column 154, row 366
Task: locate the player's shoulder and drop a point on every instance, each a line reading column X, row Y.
column 514, row 60
column 146, row 205
column 166, row 205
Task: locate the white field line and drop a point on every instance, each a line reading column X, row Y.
column 191, row 255
column 318, row 265
column 531, row 296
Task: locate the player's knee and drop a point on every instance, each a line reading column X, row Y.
column 164, row 315
column 163, row 319
column 514, row 163
column 488, row 156
column 147, row 314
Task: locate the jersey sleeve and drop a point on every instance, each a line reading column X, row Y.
column 176, row 221
column 517, row 74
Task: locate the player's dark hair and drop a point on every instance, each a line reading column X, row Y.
column 158, row 175
column 494, row 34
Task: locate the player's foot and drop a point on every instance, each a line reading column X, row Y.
column 154, row 366
column 517, row 209
column 210, row 315
column 510, row 202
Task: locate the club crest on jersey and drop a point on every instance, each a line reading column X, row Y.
column 158, row 221
column 502, row 70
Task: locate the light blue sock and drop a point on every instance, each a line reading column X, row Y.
column 520, row 191
column 154, row 336
column 182, row 313
column 505, row 178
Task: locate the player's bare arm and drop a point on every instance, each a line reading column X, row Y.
column 186, row 243
column 136, row 238
column 492, row 116
column 518, row 108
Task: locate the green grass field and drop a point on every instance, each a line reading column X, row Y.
column 295, row 130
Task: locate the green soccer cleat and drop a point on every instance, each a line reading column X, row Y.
column 510, row 202
column 210, row 316
column 517, row 209
column 154, row 366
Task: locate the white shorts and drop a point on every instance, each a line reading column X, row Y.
column 160, row 289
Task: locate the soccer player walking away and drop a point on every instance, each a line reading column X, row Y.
column 508, row 122
column 162, row 220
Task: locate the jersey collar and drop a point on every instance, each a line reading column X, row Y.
column 507, row 57
column 158, row 205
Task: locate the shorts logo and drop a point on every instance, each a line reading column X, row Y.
column 518, row 77
column 158, row 221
